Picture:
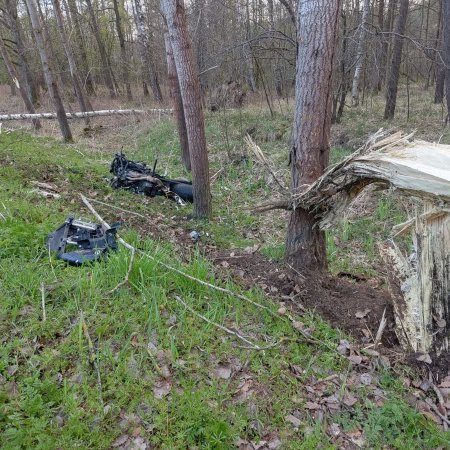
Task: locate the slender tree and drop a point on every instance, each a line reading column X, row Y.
column 148, row 69
column 446, row 50
column 48, row 73
column 361, row 52
column 16, row 81
column 175, row 16
column 175, row 95
column 107, row 71
column 79, row 44
column 394, row 74
column 79, row 90
column 17, row 33
column 123, row 52
column 317, row 24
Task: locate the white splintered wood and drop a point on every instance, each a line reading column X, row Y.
column 420, row 282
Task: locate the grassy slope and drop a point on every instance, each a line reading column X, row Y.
column 145, row 340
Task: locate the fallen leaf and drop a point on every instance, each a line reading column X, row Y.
column 344, row 347
column 294, row 420
column 334, row 429
column 222, row 371
column 138, row 443
column 312, row 405
column 362, row 314
column 162, row 389
column 136, row 432
column 282, row 311
column 12, row 370
column 425, row 357
column 355, row 359
column 349, row 399
column 366, row 379
column 120, row 440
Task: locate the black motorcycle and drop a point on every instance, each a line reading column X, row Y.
column 139, row 178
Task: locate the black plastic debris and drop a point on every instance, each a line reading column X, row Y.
column 138, row 178
column 77, row 241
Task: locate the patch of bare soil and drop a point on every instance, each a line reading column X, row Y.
column 349, row 303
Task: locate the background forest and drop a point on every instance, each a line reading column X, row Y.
column 209, row 334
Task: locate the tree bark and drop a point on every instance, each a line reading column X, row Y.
column 15, row 79
column 317, row 25
column 175, row 17
column 360, row 55
column 123, row 52
column 77, row 84
column 148, row 70
column 79, row 44
column 107, row 72
column 175, row 95
column 446, row 50
column 48, row 74
column 392, row 87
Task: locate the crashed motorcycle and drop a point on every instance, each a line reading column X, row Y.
column 138, row 178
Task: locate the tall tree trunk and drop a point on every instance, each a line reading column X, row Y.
column 175, row 17
column 48, row 74
column 123, row 52
column 360, row 54
column 317, row 25
column 385, row 52
column 79, row 44
column 149, row 72
column 175, row 95
column 16, row 29
column 247, row 52
column 107, row 72
column 15, row 80
column 77, row 84
column 446, row 50
column 392, row 87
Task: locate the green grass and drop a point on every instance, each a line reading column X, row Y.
column 50, row 396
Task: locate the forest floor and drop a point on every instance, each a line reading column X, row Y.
column 163, row 376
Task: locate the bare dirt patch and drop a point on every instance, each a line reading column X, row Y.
column 353, row 305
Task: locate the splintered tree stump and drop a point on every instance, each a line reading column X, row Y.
column 420, row 281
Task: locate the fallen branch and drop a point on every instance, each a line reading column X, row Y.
column 381, row 328
column 44, row 315
column 282, row 204
column 116, row 207
column 173, row 269
column 220, row 327
column 81, row 115
column 262, row 159
column 127, row 276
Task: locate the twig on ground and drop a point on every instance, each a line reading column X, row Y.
column 214, row 177
column 127, row 276
column 381, row 328
column 93, row 360
column 44, row 315
column 281, row 204
column 252, row 346
column 296, row 271
column 173, row 269
column 116, row 207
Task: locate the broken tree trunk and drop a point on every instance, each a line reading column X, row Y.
column 82, row 115
column 420, row 282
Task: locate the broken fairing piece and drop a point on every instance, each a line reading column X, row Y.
column 89, row 241
column 137, row 177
